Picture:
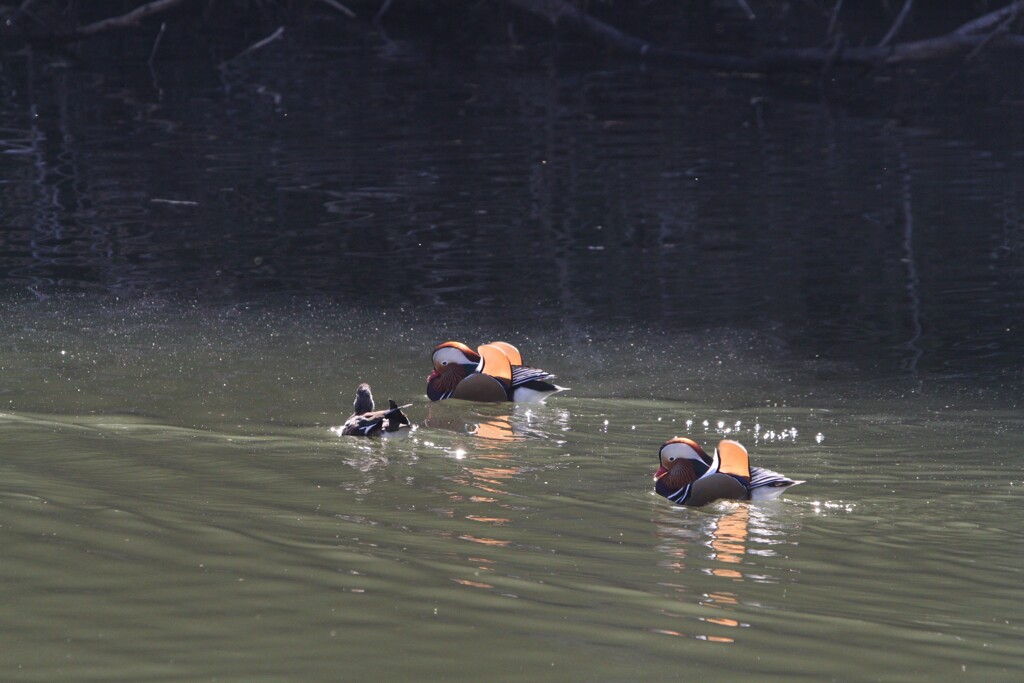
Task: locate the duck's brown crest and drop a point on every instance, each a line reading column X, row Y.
column 682, row 439
column 470, row 353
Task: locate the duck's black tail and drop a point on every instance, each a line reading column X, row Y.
column 395, row 417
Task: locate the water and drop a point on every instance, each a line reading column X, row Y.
column 840, row 292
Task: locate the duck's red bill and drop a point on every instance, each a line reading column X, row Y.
column 432, row 376
column 662, row 471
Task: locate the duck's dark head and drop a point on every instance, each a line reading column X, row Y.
column 364, row 400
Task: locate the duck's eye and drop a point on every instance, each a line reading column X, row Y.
column 671, row 458
column 444, row 362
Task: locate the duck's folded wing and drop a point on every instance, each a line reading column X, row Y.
column 522, row 376
column 368, row 424
column 766, row 484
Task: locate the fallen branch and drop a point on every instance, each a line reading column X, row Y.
column 999, row 31
column 992, row 20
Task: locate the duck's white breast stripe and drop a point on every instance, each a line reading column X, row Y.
column 713, row 467
column 680, row 495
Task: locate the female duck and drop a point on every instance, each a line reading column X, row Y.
column 493, row 373
column 689, row 476
column 365, row 421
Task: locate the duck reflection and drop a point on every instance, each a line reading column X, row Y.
column 497, row 429
column 493, row 428
column 368, row 457
column 720, row 545
column 488, row 478
column 479, row 502
column 717, row 543
column 497, row 426
column 727, row 539
column 726, row 601
column 481, row 490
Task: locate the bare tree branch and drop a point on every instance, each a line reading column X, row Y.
column 834, row 18
column 156, row 43
column 256, row 46
column 898, row 24
column 990, row 30
column 340, row 7
column 983, row 30
column 381, row 12
column 119, row 22
column 559, row 12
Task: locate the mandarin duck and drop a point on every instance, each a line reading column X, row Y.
column 365, row 421
column 689, row 476
column 494, row 372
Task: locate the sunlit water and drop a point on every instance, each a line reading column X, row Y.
column 197, row 276
column 174, row 504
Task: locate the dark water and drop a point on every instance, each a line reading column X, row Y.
column 197, row 266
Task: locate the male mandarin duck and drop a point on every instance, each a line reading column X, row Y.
column 365, row 421
column 689, row 476
column 494, row 372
